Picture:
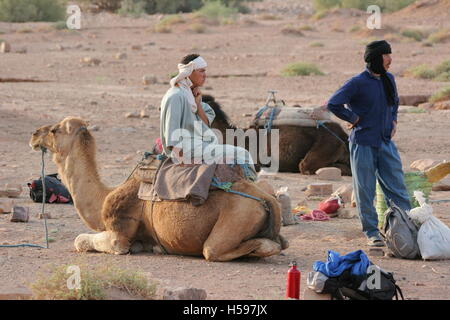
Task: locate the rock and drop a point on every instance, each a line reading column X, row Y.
column 13, row 190
column 353, row 203
column 22, row 50
column 443, row 105
column 376, row 252
column 426, row 106
column 247, row 115
column 59, row 47
column 149, row 80
column 45, row 215
column 94, row 128
column 144, row 114
column 345, row 192
column 121, row 56
column 345, row 214
column 329, row 173
column 5, row 47
column 128, row 157
column 89, row 61
column 136, row 47
column 16, row 294
column 185, row 294
column 413, row 100
column 20, row 214
column 132, row 115
column 423, row 164
column 6, row 206
column 150, row 107
column 319, row 189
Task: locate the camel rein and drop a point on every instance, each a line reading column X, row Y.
column 44, row 150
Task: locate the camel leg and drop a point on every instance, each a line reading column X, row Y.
column 111, row 241
column 232, row 234
column 259, row 247
column 324, row 153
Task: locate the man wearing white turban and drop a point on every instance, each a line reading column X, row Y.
column 185, row 122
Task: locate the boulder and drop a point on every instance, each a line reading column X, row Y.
column 147, row 79
column 121, row 56
column 413, row 100
column 345, row 192
column 185, row 294
column 5, row 47
column 144, row 114
column 319, row 189
column 329, row 173
column 20, row 214
column 132, row 115
column 423, row 164
column 89, row 61
column 6, row 206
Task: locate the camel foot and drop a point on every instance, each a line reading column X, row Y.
column 83, row 243
column 266, row 248
column 107, row 242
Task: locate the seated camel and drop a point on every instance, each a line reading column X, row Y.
column 227, row 226
column 301, row 149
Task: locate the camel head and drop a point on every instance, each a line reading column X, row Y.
column 70, row 134
column 40, row 138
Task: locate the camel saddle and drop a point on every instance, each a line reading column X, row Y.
column 165, row 180
column 269, row 116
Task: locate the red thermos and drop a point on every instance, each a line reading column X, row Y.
column 293, row 282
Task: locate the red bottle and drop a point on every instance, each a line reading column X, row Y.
column 293, row 282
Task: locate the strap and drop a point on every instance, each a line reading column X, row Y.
column 322, row 124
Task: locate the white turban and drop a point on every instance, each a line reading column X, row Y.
column 183, row 81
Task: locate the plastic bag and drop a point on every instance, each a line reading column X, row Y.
column 434, row 236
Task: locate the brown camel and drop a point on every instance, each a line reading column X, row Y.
column 301, row 149
column 225, row 227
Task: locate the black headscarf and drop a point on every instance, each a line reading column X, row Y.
column 374, row 59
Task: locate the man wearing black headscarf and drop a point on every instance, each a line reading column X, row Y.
column 372, row 104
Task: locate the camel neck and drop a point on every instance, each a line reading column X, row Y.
column 79, row 173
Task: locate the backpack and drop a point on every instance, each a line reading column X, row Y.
column 55, row 191
column 400, row 233
column 351, row 287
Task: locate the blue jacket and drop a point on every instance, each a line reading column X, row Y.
column 365, row 97
column 336, row 264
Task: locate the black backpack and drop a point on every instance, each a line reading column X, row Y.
column 350, row 287
column 55, row 191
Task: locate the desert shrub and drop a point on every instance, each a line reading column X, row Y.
column 94, row 282
column 216, row 11
column 301, row 69
column 316, row 45
column 31, row 10
column 385, row 5
column 440, row 73
column 440, row 36
column 415, row 34
column 291, row 30
column 164, row 26
column 421, row 72
column 441, row 95
column 134, row 8
column 197, row 28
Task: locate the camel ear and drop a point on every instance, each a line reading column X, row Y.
column 69, row 127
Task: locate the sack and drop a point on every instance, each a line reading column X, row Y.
column 400, row 233
column 55, row 191
column 147, row 168
column 434, row 236
column 371, row 288
column 331, row 205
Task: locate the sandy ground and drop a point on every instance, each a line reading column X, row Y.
column 104, row 93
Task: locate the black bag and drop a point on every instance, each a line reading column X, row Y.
column 350, row 287
column 55, row 191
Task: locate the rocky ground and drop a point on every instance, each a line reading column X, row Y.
column 255, row 44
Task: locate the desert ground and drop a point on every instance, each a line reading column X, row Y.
column 253, row 45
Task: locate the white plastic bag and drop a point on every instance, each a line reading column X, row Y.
column 434, row 236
